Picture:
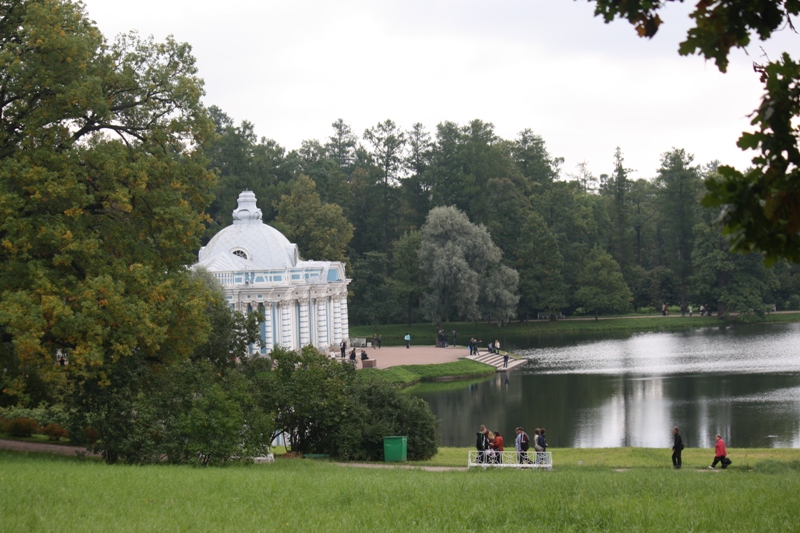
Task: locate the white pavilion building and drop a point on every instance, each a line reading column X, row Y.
column 304, row 302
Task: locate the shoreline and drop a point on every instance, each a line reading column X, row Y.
column 423, row 334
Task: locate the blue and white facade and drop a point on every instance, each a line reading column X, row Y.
column 304, row 302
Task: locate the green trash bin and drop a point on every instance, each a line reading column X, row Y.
column 395, row 449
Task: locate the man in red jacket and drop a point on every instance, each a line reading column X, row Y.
column 720, row 453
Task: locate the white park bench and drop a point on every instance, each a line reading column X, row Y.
column 512, row 459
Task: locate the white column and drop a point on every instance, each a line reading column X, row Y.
column 286, row 325
column 337, row 319
column 322, row 325
column 345, row 322
column 304, row 331
column 268, row 326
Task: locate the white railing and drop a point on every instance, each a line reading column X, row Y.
column 512, row 459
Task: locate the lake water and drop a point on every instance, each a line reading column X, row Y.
column 631, row 389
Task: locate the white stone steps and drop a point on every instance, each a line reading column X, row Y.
column 496, row 360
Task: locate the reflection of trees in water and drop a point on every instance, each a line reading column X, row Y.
column 745, row 408
column 601, row 410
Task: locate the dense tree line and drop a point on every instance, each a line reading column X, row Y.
column 562, row 242
column 103, row 190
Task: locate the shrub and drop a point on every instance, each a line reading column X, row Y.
column 55, row 431
column 22, row 427
column 89, row 435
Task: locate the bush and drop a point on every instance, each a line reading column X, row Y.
column 22, row 427
column 3, row 424
column 55, row 431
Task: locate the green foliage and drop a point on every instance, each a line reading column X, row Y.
column 760, row 204
column 540, row 265
column 320, row 230
column 321, row 406
column 407, row 281
column 738, row 283
column 373, row 298
column 463, row 269
column 602, row 285
column 102, row 186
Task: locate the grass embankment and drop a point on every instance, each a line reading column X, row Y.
column 425, row 334
column 411, row 374
column 43, row 493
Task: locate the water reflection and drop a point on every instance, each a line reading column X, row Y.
column 631, row 390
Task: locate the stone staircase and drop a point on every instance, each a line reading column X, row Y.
column 496, row 360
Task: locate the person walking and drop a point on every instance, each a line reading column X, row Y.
column 720, row 454
column 343, row 347
column 380, row 340
column 677, row 448
column 453, row 335
column 408, row 340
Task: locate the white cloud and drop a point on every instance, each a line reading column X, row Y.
column 292, row 68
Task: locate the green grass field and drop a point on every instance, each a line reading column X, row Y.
column 44, row 493
column 424, row 334
column 409, row 374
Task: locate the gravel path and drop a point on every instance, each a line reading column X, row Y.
column 412, row 467
column 389, row 356
column 41, row 447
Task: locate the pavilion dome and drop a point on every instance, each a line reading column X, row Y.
column 248, row 244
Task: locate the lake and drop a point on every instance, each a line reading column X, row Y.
column 630, row 389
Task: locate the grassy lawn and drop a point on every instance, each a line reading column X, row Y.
column 409, row 374
column 425, row 334
column 44, row 493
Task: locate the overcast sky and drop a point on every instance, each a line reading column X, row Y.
column 295, row 66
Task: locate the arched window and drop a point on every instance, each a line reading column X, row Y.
column 240, row 253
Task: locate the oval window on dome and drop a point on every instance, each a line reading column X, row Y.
column 240, row 253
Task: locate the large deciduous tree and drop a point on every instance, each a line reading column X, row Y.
column 102, row 187
column 321, row 231
column 464, row 271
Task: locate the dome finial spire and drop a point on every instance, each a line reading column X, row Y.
column 247, row 212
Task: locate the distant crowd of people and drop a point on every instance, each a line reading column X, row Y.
column 705, row 310
column 491, row 445
column 443, row 339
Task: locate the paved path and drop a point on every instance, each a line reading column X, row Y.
column 389, row 356
column 413, row 467
column 58, row 449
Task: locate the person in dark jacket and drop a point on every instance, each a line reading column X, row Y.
column 677, row 448
column 482, row 443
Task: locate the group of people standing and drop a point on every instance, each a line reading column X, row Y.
column 491, row 444
column 720, row 453
column 443, row 338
